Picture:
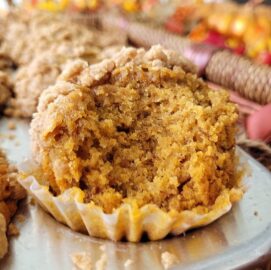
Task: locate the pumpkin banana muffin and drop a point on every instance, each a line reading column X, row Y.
column 139, row 129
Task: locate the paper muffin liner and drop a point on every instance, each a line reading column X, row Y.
column 126, row 222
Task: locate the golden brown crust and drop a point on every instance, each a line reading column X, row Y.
column 136, row 128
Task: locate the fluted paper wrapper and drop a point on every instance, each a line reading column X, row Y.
column 126, row 222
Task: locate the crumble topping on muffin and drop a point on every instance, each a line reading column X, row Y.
column 139, row 128
column 32, row 79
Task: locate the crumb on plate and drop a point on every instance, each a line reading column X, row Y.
column 82, row 260
column 102, row 262
column 11, row 125
column 168, row 259
column 128, row 263
column 11, row 136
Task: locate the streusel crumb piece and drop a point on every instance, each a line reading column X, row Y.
column 102, row 262
column 11, row 125
column 168, row 259
column 82, row 261
column 128, row 263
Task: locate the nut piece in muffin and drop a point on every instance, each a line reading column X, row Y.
column 139, row 128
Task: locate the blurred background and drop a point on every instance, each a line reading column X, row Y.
column 244, row 27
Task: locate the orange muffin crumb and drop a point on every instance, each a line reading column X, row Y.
column 138, row 128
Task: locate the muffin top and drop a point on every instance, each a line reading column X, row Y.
column 138, row 128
